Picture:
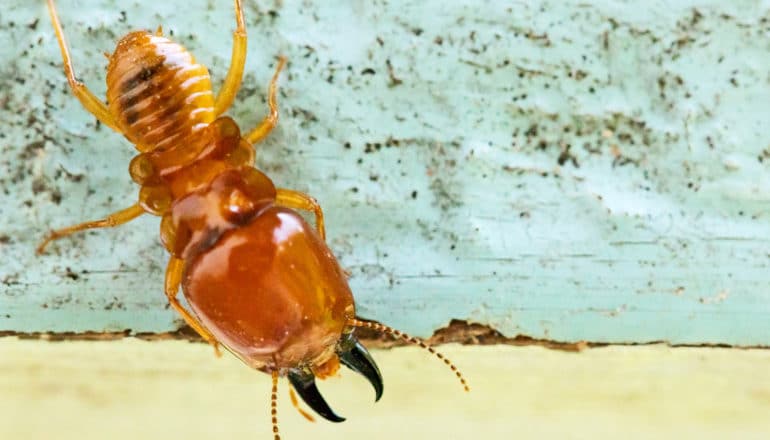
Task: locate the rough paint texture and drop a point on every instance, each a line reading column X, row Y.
column 592, row 170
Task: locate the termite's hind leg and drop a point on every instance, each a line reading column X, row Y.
column 271, row 120
column 237, row 61
column 86, row 98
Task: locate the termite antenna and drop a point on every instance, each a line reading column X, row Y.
column 412, row 340
column 274, row 406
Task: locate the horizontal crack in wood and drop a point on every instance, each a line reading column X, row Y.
column 457, row 332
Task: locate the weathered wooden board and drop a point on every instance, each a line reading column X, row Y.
column 132, row 389
column 574, row 170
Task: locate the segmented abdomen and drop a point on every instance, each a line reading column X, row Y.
column 157, row 92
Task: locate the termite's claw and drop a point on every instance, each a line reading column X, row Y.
column 303, row 382
column 355, row 356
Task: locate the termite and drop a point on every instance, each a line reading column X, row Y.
column 259, row 279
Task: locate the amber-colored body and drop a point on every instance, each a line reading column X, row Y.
column 259, row 279
column 282, row 313
column 160, row 97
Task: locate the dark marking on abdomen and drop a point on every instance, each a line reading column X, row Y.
column 139, row 87
column 143, row 75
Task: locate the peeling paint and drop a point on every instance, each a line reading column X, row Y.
column 573, row 171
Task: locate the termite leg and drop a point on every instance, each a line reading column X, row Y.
column 237, row 61
column 297, row 200
column 173, row 280
column 115, row 219
column 86, row 98
column 266, row 126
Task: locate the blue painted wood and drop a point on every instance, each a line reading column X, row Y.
column 581, row 170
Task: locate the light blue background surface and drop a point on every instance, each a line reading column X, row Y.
column 452, row 194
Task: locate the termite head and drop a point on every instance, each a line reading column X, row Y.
column 268, row 288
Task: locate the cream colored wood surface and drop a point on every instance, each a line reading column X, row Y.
column 132, row 389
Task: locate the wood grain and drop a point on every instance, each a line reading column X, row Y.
column 132, row 389
column 580, row 170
